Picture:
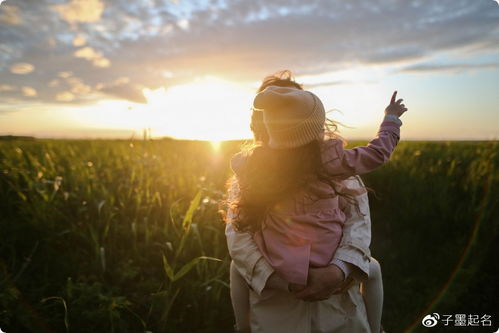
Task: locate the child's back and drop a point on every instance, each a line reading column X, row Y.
column 304, row 227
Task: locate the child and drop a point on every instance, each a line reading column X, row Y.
column 290, row 192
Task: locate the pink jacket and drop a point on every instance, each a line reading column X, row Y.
column 305, row 228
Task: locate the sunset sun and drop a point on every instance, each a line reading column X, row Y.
column 208, row 108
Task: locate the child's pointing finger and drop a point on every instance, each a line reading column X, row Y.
column 394, row 96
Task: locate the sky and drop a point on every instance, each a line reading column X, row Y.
column 189, row 69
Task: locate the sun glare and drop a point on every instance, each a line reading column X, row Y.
column 207, row 109
column 353, row 94
column 213, row 109
column 215, row 145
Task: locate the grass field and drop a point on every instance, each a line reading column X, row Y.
column 121, row 236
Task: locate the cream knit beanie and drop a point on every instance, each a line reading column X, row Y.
column 293, row 117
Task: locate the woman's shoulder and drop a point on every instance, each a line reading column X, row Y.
column 354, row 185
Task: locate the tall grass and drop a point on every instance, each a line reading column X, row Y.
column 118, row 236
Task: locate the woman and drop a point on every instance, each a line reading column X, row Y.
column 272, row 307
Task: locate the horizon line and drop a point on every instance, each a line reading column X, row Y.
column 7, row 137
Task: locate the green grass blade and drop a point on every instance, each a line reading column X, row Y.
column 186, row 223
column 168, row 269
column 187, row 267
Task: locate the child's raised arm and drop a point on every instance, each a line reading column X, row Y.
column 348, row 162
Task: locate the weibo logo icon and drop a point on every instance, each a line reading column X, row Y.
column 430, row 320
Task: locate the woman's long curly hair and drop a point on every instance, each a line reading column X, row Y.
column 271, row 174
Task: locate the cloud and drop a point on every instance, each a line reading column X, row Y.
column 237, row 39
column 64, row 96
column 429, row 68
column 246, row 41
column 29, row 92
column 64, row 75
column 80, row 11
column 22, row 68
column 121, row 80
column 6, row 87
column 183, row 24
column 125, row 90
column 328, row 83
column 78, row 87
column 93, row 56
column 79, row 40
column 10, row 15
column 54, row 83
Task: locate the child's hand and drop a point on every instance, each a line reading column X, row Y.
column 395, row 108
